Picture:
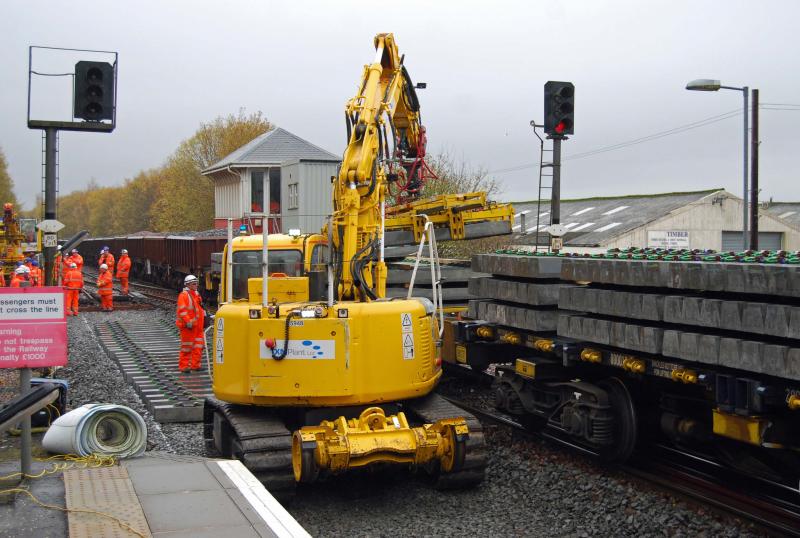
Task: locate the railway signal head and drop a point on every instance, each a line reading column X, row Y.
column 559, row 108
column 94, row 91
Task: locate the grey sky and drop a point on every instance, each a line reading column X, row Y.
column 183, row 63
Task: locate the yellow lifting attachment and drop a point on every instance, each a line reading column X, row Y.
column 632, row 364
column 511, row 338
column 684, row 375
column 485, row 332
column 335, row 447
column 591, row 355
column 543, row 344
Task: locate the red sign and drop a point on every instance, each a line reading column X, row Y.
column 33, row 327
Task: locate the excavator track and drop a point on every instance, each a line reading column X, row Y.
column 255, row 436
column 472, row 471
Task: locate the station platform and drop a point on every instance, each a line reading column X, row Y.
column 156, row 495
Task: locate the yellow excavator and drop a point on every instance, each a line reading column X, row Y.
column 315, row 372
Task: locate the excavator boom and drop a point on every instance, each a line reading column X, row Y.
column 387, row 103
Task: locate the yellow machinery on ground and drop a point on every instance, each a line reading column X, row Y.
column 315, row 371
column 11, row 240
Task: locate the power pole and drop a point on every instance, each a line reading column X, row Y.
column 49, row 250
column 555, row 203
column 754, row 176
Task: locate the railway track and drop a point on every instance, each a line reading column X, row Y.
column 772, row 506
column 141, row 296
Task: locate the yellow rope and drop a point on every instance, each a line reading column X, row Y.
column 76, row 510
column 71, row 461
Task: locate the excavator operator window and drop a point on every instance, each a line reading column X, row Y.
column 247, row 264
column 319, row 257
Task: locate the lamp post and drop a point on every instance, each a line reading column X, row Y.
column 709, row 85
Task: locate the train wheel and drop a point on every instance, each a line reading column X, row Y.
column 625, row 428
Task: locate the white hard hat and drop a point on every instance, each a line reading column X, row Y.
column 123, row 251
column 103, row 266
column 21, row 270
column 58, row 247
column 189, row 279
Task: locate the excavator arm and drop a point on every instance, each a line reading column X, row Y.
column 387, row 105
column 386, row 96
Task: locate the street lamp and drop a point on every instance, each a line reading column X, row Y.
column 709, row 85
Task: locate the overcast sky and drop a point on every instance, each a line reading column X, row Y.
column 183, row 63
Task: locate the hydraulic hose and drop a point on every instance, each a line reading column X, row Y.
column 280, row 355
column 106, row 429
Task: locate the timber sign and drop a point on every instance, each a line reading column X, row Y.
column 33, row 327
column 668, row 239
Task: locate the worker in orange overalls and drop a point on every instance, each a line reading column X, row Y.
column 189, row 319
column 37, row 275
column 73, row 283
column 76, row 257
column 105, row 289
column 57, row 270
column 2, row 276
column 63, row 262
column 21, row 277
column 28, row 262
column 106, row 258
column 124, row 270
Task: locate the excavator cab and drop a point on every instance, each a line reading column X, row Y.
column 296, row 266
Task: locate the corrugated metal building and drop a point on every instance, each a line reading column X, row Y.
column 295, row 173
column 709, row 219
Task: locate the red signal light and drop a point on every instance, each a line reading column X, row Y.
column 560, row 127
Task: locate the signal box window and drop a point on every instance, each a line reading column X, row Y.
column 257, row 191
column 247, row 264
column 294, row 196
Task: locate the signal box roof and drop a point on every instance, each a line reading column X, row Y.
column 271, row 149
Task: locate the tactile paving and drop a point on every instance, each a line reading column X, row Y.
column 147, row 354
column 107, row 490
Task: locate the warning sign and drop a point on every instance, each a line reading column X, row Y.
column 407, row 333
column 219, row 347
column 33, row 327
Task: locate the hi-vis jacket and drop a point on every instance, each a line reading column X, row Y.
column 123, row 266
column 107, row 259
column 104, row 283
column 73, row 279
column 190, row 311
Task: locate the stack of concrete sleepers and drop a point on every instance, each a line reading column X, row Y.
column 738, row 315
column 521, row 292
column 455, row 278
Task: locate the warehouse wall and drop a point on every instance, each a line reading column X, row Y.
column 705, row 221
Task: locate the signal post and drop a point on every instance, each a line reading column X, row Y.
column 94, row 92
column 559, row 121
